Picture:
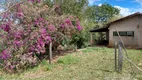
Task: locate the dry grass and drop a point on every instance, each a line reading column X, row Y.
column 96, row 63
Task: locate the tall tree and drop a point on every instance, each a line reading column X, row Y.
column 101, row 13
column 75, row 7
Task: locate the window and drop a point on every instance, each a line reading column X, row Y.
column 130, row 33
column 124, row 33
column 115, row 34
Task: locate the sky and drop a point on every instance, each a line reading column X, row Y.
column 126, row 7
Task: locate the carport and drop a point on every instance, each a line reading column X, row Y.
column 102, row 31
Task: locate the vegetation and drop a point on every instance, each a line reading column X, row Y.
column 27, row 29
column 96, row 63
column 28, row 26
column 101, row 13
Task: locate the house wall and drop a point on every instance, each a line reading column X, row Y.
column 129, row 24
column 139, row 30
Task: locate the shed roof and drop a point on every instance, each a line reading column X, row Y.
column 105, row 28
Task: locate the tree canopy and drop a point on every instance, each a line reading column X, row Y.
column 101, row 13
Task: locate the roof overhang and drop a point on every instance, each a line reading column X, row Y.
column 104, row 29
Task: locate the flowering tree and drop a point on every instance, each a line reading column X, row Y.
column 27, row 27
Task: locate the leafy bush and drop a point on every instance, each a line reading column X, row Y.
column 26, row 31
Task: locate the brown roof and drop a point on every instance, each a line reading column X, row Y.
column 107, row 25
column 129, row 16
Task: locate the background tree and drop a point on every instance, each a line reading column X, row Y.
column 101, row 13
column 74, row 7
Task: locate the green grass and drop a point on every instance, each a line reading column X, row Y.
column 68, row 59
column 93, row 63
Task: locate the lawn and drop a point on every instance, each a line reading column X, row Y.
column 92, row 63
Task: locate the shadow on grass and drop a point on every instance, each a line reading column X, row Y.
column 104, row 70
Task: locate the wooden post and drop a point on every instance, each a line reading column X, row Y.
column 50, row 52
column 101, row 36
column 115, row 55
column 120, row 57
column 91, row 39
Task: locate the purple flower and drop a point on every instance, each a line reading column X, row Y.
column 12, row 67
column 38, row 1
column 31, row 1
column 41, row 43
column 4, row 55
column 68, row 22
column 62, row 25
column 36, row 22
column 20, row 14
column 18, row 34
column 48, row 39
column 51, row 27
column 7, row 28
column 5, row 15
column 41, row 19
column 43, row 31
column 79, row 28
column 17, row 43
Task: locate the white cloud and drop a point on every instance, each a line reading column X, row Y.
column 140, row 8
column 92, row 2
column 139, row 1
column 125, row 11
column 100, row 4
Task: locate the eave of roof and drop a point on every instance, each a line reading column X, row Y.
column 105, row 28
column 132, row 15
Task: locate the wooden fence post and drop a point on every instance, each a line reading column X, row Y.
column 120, row 57
column 91, row 39
column 50, row 52
column 115, row 55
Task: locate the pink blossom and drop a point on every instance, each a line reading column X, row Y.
column 38, row 1
column 31, row 1
column 79, row 28
column 20, row 14
column 5, row 27
column 36, row 22
column 62, row 25
column 18, row 5
column 68, row 22
column 12, row 67
column 4, row 55
column 46, row 22
column 41, row 43
column 18, row 34
column 32, row 47
column 17, row 43
column 41, row 19
column 51, row 27
column 43, row 31
column 48, row 39
column 5, row 15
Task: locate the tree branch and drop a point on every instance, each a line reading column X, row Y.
column 10, row 7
